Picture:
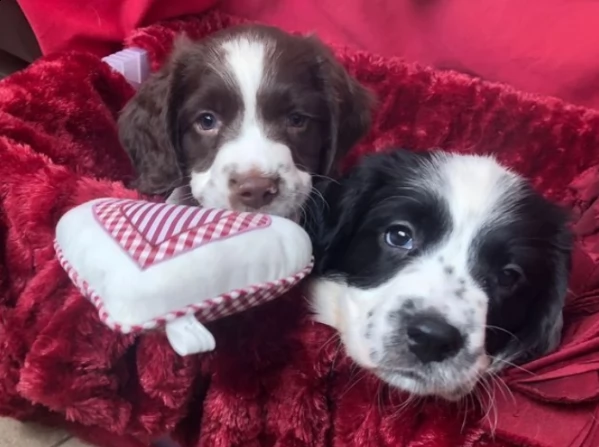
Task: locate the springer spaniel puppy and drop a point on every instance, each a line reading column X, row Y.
column 243, row 118
column 437, row 269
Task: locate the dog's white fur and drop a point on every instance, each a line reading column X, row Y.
column 475, row 189
column 251, row 149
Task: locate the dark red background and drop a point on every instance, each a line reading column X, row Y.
column 542, row 46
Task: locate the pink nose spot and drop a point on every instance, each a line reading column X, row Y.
column 254, row 190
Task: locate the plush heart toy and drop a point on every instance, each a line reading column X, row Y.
column 148, row 265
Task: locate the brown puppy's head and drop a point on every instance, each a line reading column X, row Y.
column 243, row 118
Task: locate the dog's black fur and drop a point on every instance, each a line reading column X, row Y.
column 346, row 234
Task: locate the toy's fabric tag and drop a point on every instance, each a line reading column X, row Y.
column 152, row 233
column 188, row 336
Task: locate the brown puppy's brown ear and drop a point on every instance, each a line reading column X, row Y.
column 350, row 107
column 148, row 128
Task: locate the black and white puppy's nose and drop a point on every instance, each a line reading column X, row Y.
column 432, row 339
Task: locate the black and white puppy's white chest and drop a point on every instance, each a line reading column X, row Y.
column 438, row 268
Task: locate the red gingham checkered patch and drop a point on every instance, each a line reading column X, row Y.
column 152, row 232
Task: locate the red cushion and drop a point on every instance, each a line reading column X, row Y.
column 277, row 378
column 542, row 46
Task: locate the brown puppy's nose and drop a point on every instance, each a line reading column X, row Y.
column 254, row 191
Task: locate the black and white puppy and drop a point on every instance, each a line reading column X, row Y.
column 437, row 268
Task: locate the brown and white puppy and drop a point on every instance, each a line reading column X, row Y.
column 243, row 118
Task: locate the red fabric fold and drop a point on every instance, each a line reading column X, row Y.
column 99, row 26
column 277, row 378
column 540, row 46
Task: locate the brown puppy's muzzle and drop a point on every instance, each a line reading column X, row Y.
column 253, row 190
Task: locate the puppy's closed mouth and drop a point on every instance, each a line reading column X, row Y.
column 400, row 371
column 403, row 372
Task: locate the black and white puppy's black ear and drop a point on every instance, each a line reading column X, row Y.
column 148, row 127
column 350, row 107
column 333, row 213
column 544, row 333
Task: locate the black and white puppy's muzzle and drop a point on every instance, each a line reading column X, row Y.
column 437, row 269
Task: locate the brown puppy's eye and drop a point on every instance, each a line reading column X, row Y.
column 297, row 120
column 207, row 122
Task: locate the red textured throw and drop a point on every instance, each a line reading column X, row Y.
column 277, row 379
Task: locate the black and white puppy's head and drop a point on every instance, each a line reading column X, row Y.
column 438, row 268
column 243, row 118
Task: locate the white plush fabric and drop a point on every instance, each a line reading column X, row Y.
column 145, row 265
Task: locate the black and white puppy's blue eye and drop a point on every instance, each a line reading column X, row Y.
column 207, row 122
column 400, row 236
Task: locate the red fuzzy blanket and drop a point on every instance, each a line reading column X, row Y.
column 277, row 379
